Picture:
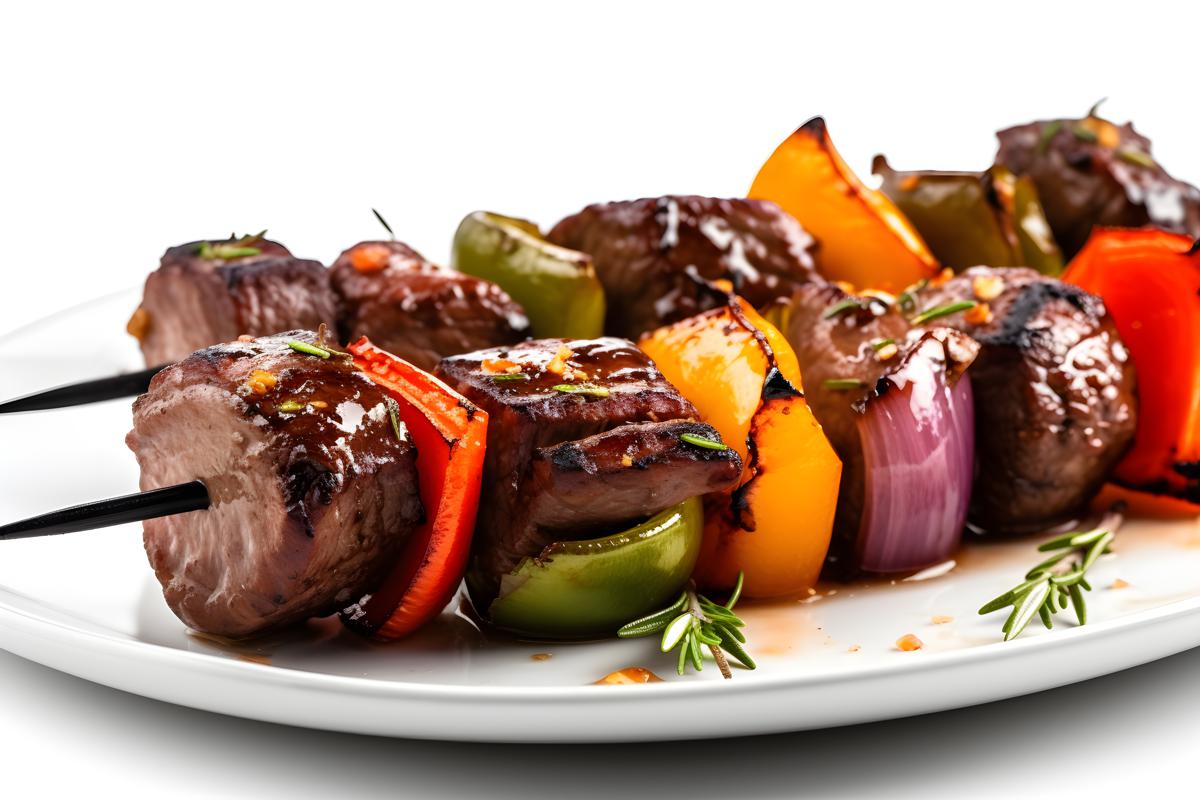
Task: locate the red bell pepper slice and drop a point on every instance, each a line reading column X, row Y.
column 1150, row 282
column 450, row 435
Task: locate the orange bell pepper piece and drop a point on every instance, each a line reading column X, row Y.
column 742, row 376
column 864, row 239
column 450, row 435
column 1150, row 282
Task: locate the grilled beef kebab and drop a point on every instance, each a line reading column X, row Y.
column 854, row 351
column 583, row 439
column 313, row 489
column 1055, row 394
column 654, row 255
column 209, row 292
column 417, row 310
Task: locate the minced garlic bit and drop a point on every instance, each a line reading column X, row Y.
column 1119, row 584
column 626, row 460
column 887, row 351
column 245, row 337
column 318, row 404
column 987, row 287
column 908, row 642
column 501, row 366
column 941, row 278
column 941, row 619
column 854, row 648
column 979, row 315
column 139, row 324
column 260, row 382
column 558, row 364
column 541, row 656
column 370, row 257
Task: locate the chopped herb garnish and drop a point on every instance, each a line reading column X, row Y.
column 1136, row 157
column 693, row 622
column 225, row 252
column 383, row 222
column 879, row 344
column 908, row 298
column 1084, row 134
column 309, row 349
column 582, row 388
column 702, row 441
column 841, row 384
column 394, row 415
column 290, row 406
column 511, row 376
column 843, row 306
column 1049, row 131
column 1052, row 584
column 937, row 312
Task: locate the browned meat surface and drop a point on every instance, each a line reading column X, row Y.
column 835, row 346
column 313, row 494
column 1091, row 172
column 654, row 255
column 568, row 465
column 1055, row 400
column 607, row 482
column 198, row 297
column 419, row 311
column 836, row 339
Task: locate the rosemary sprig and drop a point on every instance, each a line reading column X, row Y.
column 510, row 376
column 841, row 384
column 693, row 622
column 937, row 312
column 1052, row 584
column 843, row 306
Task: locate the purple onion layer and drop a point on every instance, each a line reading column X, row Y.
column 918, row 439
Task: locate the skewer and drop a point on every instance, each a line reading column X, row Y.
column 74, row 394
column 177, row 499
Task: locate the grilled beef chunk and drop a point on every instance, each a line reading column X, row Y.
column 313, row 493
column 1092, row 172
column 208, row 292
column 839, row 339
column 419, row 311
column 1055, row 402
column 565, row 465
column 654, row 255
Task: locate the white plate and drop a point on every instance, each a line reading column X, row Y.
column 88, row 604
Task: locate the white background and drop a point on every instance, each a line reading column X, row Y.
column 125, row 128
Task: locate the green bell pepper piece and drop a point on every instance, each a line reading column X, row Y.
column 558, row 287
column 591, row 588
column 974, row 218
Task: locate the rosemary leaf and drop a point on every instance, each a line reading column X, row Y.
column 676, row 631
column 582, row 388
column 937, row 312
column 701, row 441
column 308, row 349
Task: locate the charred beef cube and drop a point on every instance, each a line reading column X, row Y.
column 417, row 310
column 583, row 438
column 655, row 255
column 204, row 293
column 313, row 493
column 834, row 336
column 848, row 348
column 1091, row 172
column 1055, row 398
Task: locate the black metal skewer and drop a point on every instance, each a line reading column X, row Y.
column 76, row 394
column 177, row 499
